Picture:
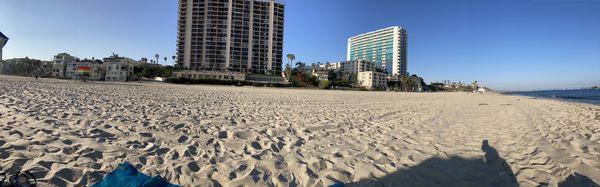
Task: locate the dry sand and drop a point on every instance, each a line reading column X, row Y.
column 71, row 134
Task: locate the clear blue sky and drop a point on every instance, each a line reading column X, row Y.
column 521, row 44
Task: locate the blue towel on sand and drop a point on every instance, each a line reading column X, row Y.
column 127, row 176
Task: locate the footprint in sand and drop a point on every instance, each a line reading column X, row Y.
column 67, row 141
column 182, row 139
column 193, row 166
column 173, row 155
column 223, row 135
column 256, row 145
column 145, row 134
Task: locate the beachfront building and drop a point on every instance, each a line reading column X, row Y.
column 46, row 69
column 355, row 66
column 315, row 70
column 231, row 35
column 229, row 75
column 119, row 68
column 335, row 66
column 3, row 41
column 348, row 70
column 387, row 48
column 94, row 69
column 372, row 80
column 59, row 65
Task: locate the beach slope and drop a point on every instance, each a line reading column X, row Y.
column 71, row 134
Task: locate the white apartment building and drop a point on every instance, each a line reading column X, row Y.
column 331, row 66
column 59, row 65
column 316, row 70
column 119, row 68
column 372, row 80
column 355, row 66
column 97, row 69
column 387, row 48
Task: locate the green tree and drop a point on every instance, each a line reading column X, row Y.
column 288, row 71
column 174, row 62
column 324, row 84
column 300, row 65
column 156, row 56
column 291, row 57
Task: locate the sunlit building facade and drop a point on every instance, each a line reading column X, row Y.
column 231, row 35
column 387, row 48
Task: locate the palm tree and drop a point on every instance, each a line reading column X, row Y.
column 166, row 60
column 291, row 57
column 174, row 57
column 156, row 56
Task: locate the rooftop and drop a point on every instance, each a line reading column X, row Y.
column 280, row 2
column 373, row 32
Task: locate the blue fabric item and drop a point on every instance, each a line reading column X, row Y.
column 127, row 176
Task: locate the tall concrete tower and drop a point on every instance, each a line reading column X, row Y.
column 231, row 35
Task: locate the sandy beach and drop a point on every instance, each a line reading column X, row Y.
column 71, row 134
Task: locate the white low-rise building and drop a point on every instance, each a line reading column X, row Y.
column 372, row 79
column 59, row 65
column 331, row 66
column 94, row 69
column 316, row 70
column 119, row 68
column 355, row 66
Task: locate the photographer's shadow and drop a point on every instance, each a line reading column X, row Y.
column 491, row 170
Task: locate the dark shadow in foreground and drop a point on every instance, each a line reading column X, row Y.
column 491, row 170
column 578, row 180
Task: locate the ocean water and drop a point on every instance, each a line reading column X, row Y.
column 591, row 96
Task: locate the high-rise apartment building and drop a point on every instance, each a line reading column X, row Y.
column 386, row 47
column 231, row 35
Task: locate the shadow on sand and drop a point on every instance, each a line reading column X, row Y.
column 490, row 170
column 578, row 180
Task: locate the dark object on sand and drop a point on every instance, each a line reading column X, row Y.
column 127, row 175
column 20, row 179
